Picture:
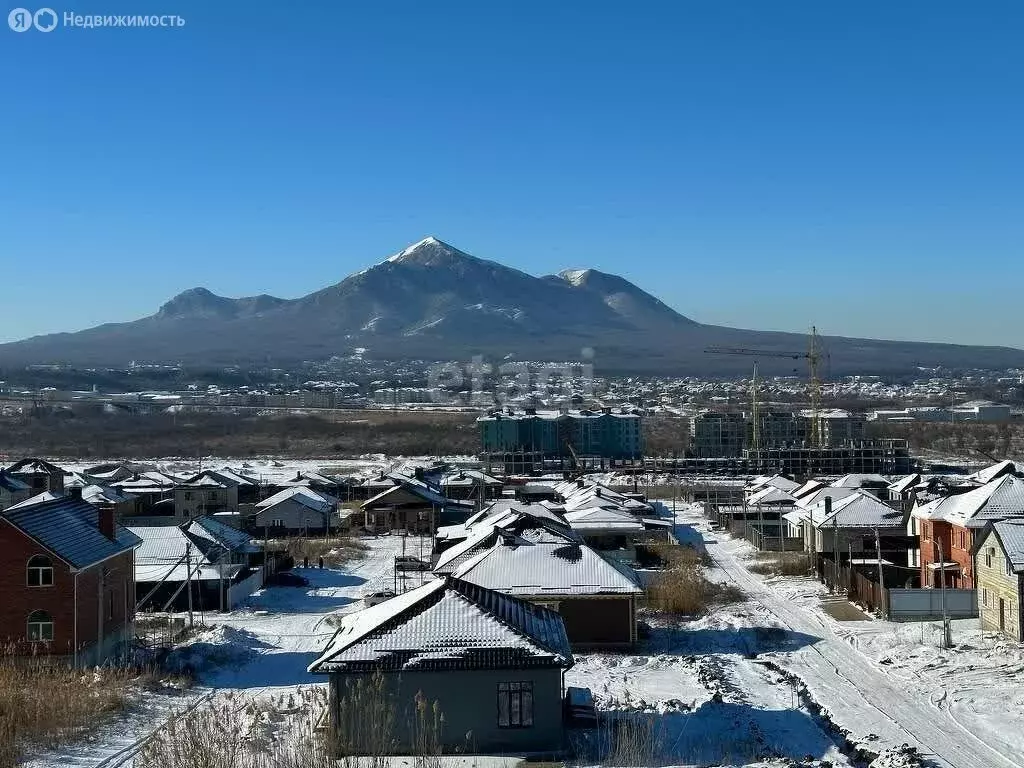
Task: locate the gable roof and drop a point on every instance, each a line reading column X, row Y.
column 12, row 484
column 819, row 496
column 69, row 528
column 34, row 466
column 861, row 481
column 413, row 486
column 905, row 483
column 105, row 494
column 990, row 473
column 444, row 624
column 217, row 533
column 997, row 500
column 772, row 495
column 861, row 510
column 162, row 555
column 1011, row 538
column 780, row 482
column 809, row 487
column 547, row 567
column 315, row 500
column 603, row 519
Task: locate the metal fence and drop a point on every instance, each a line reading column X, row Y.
column 896, row 604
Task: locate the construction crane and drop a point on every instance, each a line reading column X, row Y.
column 813, row 356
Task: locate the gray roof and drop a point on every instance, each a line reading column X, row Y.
column 216, row 532
column 1011, row 536
column 68, row 528
column 445, row 624
column 11, row 483
column 862, row 510
column 547, row 566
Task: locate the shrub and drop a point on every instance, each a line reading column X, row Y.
column 683, row 589
column 45, row 703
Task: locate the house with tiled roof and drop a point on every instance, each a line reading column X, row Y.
column 67, row 585
column 491, row 662
column 596, row 597
column 947, row 528
column 294, row 510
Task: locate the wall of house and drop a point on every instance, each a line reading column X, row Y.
column 596, row 621
column 994, row 584
column 295, row 516
column 106, row 597
column 956, row 544
column 190, row 502
column 469, row 702
column 10, row 498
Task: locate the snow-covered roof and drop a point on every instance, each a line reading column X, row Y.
column 105, row 494
column 808, row 487
column 69, row 528
column 546, row 567
column 162, row 556
column 39, row 498
column 469, row 478
column 444, row 624
column 603, row 519
column 860, row 481
column 905, row 483
column 861, row 510
column 315, row 500
column 818, row 496
column 214, row 531
column 486, row 532
column 772, row 495
column 990, row 473
column 781, row 482
column 996, row 500
column 1011, row 536
column 416, row 487
column 11, row 483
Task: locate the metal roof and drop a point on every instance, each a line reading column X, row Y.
column 216, row 532
column 315, row 500
column 11, row 483
column 68, row 528
column 997, row 500
column 1011, row 536
column 862, row 510
column 547, row 568
column 448, row 623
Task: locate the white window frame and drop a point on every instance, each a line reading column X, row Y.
column 44, row 628
column 43, row 572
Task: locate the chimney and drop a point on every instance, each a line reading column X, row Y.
column 105, row 522
column 75, row 493
column 419, row 473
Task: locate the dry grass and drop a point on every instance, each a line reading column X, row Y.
column 335, row 550
column 45, row 704
column 683, row 589
column 781, row 564
column 251, row 732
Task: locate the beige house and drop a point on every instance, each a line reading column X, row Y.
column 998, row 567
column 205, row 494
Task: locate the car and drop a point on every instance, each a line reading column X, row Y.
column 410, row 563
column 375, row 598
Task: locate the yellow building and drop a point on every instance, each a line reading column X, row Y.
column 999, row 563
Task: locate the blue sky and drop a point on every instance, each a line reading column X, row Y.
column 859, row 166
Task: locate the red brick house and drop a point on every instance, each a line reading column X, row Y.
column 949, row 525
column 67, row 580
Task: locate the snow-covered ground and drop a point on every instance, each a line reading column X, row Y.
column 885, row 684
column 260, row 649
column 770, row 681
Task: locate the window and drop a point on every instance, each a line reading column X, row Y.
column 110, row 604
column 40, row 571
column 277, row 522
column 188, row 496
column 988, row 556
column 515, row 705
column 984, row 596
column 40, row 627
column 1009, row 567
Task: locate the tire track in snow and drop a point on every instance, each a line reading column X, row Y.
column 907, row 715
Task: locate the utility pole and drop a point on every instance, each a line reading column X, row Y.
column 947, row 639
column 881, row 573
column 188, row 581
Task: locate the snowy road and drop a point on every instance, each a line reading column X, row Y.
column 859, row 697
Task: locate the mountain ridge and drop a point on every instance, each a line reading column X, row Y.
column 432, row 301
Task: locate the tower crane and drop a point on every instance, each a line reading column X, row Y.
column 813, row 356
